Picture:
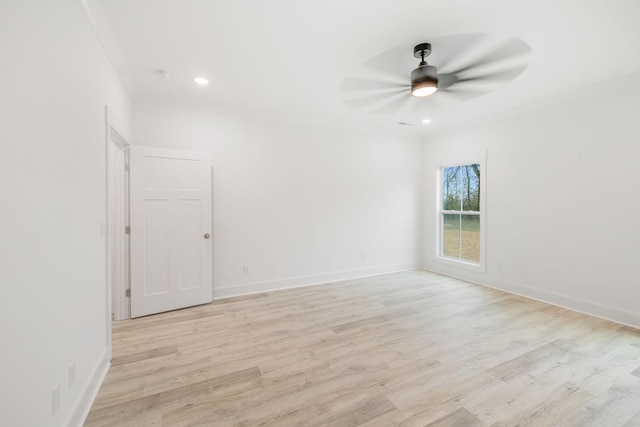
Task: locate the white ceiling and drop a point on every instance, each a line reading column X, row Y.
column 291, row 56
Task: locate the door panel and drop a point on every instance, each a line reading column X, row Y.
column 170, row 215
column 188, row 258
column 156, row 247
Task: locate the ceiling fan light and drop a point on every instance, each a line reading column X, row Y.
column 424, row 80
column 424, row 88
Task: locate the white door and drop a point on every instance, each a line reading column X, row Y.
column 170, row 217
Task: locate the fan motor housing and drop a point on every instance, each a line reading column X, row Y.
column 424, row 72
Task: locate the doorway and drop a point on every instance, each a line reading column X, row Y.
column 118, row 268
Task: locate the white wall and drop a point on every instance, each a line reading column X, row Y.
column 296, row 202
column 56, row 81
column 563, row 196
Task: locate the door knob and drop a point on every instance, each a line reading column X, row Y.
column 207, row 235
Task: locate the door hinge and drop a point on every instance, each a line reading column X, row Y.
column 127, row 293
column 127, row 229
column 127, row 167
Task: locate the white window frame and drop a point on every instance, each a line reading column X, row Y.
column 453, row 262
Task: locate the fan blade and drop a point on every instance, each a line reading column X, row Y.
column 493, row 75
column 395, row 105
column 446, row 80
column 352, row 84
column 503, row 51
column 397, row 62
column 425, row 105
column 412, row 104
column 445, row 50
column 364, row 101
column 460, row 95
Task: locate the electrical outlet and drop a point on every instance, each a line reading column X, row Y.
column 72, row 374
column 246, row 270
column 499, row 265
column 363, row 256
column 55, row 399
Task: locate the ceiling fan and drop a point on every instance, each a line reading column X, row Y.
column 463, row 67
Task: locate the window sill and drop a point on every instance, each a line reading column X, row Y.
column 466, row 265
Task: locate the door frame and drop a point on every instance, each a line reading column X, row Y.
column 117, row 213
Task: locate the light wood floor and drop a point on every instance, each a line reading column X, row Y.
column 405, row 349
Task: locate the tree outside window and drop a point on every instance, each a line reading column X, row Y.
column 460, row 216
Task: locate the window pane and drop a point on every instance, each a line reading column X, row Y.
column 451, row 188
column 451, row 235
column 460, row 234
column 470, row 226
column 470, row 187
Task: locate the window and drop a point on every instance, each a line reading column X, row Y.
column 460, row 213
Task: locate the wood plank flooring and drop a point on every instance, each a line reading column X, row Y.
column 403, row 349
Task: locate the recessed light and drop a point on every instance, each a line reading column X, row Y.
column 201, row 81
column 426, row 121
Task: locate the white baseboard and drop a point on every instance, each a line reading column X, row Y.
column 82, row 406
column 613, row 314
column 298, row 282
